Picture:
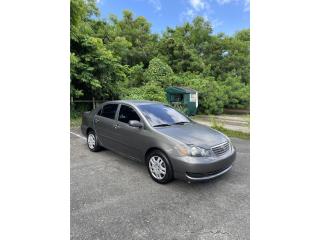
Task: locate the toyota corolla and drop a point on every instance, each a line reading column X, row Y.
column 169, row 143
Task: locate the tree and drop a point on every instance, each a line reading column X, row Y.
column 136, row 36
column 150, row 91
column 136, row 76
column 237, row 92
column 95, row 71
column 159, row 72
column 122, row 58
column 229, row 54
column 179, row 56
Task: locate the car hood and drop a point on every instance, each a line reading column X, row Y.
column 193, row 133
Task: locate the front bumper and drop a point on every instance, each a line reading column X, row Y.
column 202, row 168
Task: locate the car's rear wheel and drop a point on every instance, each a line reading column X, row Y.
column 159, row 167
column 92, row 142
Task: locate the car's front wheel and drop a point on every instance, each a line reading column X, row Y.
column 159, row 167
column 92, row 142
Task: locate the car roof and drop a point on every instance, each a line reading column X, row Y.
column 135, row 102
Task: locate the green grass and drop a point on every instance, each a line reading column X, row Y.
column 76, row 117
column 228, row 132
column 232, row 133
column 75, row 122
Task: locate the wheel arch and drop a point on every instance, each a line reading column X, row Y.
column 166, row 155
column 88, row 130
column 151, row 149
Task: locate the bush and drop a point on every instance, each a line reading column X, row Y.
column 158, row 72
column 151, row 91
column 135, row 76
column 76, row 109
column 213, row 98
column 237, row 93
column 213, row 95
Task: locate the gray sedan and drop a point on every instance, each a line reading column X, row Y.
column 169, row 143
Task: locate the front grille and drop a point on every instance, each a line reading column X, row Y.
column 221, row 149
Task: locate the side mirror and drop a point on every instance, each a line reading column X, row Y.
column 135, row 123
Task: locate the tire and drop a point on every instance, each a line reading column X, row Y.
column 93, row 146
column 159, row 167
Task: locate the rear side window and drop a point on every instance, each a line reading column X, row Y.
column 127, row 113
column 109, row 111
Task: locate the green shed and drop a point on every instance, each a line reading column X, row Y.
column 183, row 96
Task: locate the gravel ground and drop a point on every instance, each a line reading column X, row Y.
column 114, row 198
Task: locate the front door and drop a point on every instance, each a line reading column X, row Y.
column 131, row 139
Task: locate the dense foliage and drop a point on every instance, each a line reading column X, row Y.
column 123, row 59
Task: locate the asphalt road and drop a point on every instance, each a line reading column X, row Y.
column 114, row 198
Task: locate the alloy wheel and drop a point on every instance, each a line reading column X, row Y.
column 157, row 167
column 91, row 141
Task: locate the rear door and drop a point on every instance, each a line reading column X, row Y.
column 131, row 139
column 105, row 123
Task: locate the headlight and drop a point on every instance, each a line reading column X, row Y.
column 199, row 152
column 182, row 150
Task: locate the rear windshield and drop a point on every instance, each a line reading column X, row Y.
column 158, row 114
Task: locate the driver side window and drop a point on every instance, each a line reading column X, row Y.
column 127, row 113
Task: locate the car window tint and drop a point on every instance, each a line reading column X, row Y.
column 127, row 113
column 109, row 111
column 158, row 114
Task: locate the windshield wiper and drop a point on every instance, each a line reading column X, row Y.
column 162, row 125
column 180, row 123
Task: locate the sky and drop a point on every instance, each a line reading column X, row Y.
column 227, row 16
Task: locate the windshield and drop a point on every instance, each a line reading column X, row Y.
column 160, row 115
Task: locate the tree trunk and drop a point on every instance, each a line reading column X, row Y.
column 93, row 103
